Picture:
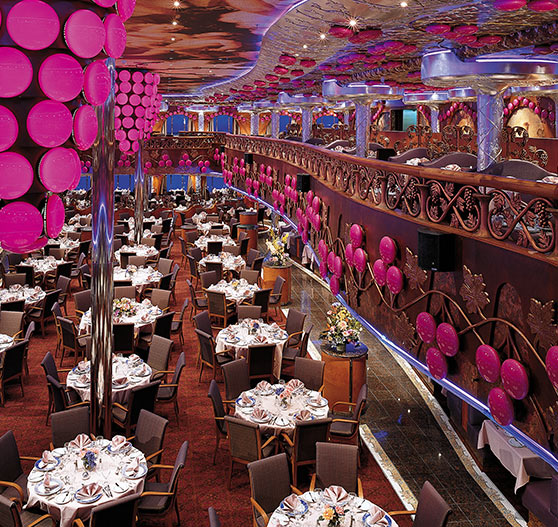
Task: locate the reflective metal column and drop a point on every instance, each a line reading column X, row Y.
column 254, row 123
column 201, row 121
column 362, row 123
column 101, row 277
column 434, row 119
column 306, row 123
column 346, row 117
column 490, row 120
column 140, row 195
column 275, row 125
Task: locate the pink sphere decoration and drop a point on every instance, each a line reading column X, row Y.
column 115, row 39
column 488, row 363
column 96, row 86
column 334, row 285
column 168, row 163
column 379, row 270
column 316, row 203
column 54, row 216
column 203, row 170
column 426, row 327
column 161, row 162
column 542, row 5
column 148, row 164
column 309, row 197
column 33, row 24
column 9, row 128
column 16, row 175
column 164, row 157
column 506, row 111
column 537, row 110
column 388, row 249
column 16, row 72
column 323, row 269
column 447, row 339
column 188, row 162
column 338, row 267
column 287, row 180
column 268, row 170
column 501, row 406
column 21, row 224
column 515, row 379
column 207, row 163
column 509, row 5
column 49, row 123
column 61, row 77
column 85, row 33
column 551, row 363
column 200, row 163
column 544, row 114
column 58, row 169
column 394, row 280
column 360, row 259
column 120, row 163
column 331, row 261
column 437, row 363
column 531, row 105
column 85, row 127
column 181, row 163
column 356, row 234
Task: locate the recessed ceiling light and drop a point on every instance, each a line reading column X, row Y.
column 322, row 36
column 173, row 39
column 174, row 23
column 176, row 3
column 296, row 54
column 403, row 4
column 352, row 22
column 305, row 46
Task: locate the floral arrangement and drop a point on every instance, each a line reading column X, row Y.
column 253, row 326
column 123, row 307
column 342, row 327
column 333, row 515
column 277, row 249
column 89, row 459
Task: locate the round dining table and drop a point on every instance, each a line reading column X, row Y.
column 236, row 290
column 205, row 227
column 60, row 485
column 141, row 277
column 6, row 341
column 43, row 265
column 139, row 250
column 202, row 241
column 230, row 261
column 315, row 508
column 18, row 292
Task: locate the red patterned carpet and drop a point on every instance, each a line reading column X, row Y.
column 203, row 484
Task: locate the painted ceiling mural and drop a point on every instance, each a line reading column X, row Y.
column 253, row 49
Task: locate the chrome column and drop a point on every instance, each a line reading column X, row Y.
column 140, row 195
column 254, row 123
column 101, row 276
column 275, row 125
column 201, row 121
column 434, row 121
column 346, row 117
column 362, row 124
column 490, row 120
column 306, row 123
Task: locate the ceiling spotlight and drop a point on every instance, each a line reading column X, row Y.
column 305, row 46
column 403, row 4
column 174, row 23
column 322, row 36
column 176, row 3
column 352, row 22
column 173, row 39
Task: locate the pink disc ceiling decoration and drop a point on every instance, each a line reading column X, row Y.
column 437, row 363
column 97, row 83
column 501, row 406
column 488, row 363
column 49, row 123
column 509, row 5
column 125, row 8
column 85, row 34
column 61, row 77
column 447, row 339
column 59, row 168
column 105, row 3
column 21, row 224
column 426, row 327
column 85, row 127
column 515, row 379
column 8, row 128
column 16, row 175
column 33, row 24
column 115, row 41
column 54, row 216
column 16, row 72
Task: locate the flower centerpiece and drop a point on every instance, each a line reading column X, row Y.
column 123, row 308
column 276, row 244
column 253, row 327
column 342, row 328
column 333, row 516
column 89, row 459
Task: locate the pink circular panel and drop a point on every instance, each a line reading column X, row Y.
column 49, row 123
column 33, row 24
column 16, row 175
column 105, row 3
column 126, row 8
column 388, row 249
column 437, row 363
column 20, row 225
column 58, row 169
column 8, row 128
column 426, row 327
column 16, row 72
column 551, row 362
column 85, row 127
column 97, row 83
column 356, row 235
column 137, row 76
column 447, row 339
column 379, row 270
column 509, row 5
column 85, row 34
column 543, row 5
column 61, row 77
column 394, row 280
column 501, row 406
column 115, row 41
column 488, row 363
column 54, row 216
column 137, row 88
column 124, row 75
column 515, row 379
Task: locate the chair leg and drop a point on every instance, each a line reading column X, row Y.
column 217, row 441
column 176, row 410
column 177, row 513
column 201, row 371
column 230, row 473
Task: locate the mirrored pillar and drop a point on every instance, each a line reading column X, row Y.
column 275, row 125
column 306, row 123
column 139, row 194
column 490, row 120
column 254, row 123
column 362, row 124
column 201, row 121
column 434, row 118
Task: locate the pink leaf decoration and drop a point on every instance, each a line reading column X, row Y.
column 388, row 249
column 309, row 197
column 437, row 363
column 360, row 259
column 338, row 267
column 322, row 248
column 331, row 261
column 394, row 280
column 488, row 363
column 316, row 204
column 501, row 406
column 323, row 269
column 356, row 234
column 379, row 270
column 515, row 379
column 334, row 285
column 426, row 326
column 349, row 255
column 447, row 339
column 552, row 365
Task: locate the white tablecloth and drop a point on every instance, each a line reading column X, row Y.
column 141, row 277
column 43, row 265
column 201, row 242
column 64, row 243
column 239, row 337
column 229, row 261
column 205, row 227
column 5, row 342
column 138, row 250
column 235, row 290
column 109, row 471
column 17, row 292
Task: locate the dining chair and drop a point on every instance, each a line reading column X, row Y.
column 246, row 443
column 218, row 415
column 26, row 270
column 122, row 283
column 251, row 256
column 149, row 437
column 161, row 298
column 183, row 249
column 248, row 311
column 261, row 298
column 165, row 265
column 208, row 356
column 12, row 368
column 260, row 359
column 42, row 312
column 310, row 372
column 213, row 518
column 11, row 323
column 208, row 279
column 294, row 326
column 63, row 285
column 252, row 277
column 214, row 247
column 301, row 449
column 16, row 305
column 158, row 357
column 198, row 303
column 12, row 515
column 257, row 264
column 237, row 380
column 191, row 236
column 125, row 258
column 128, row 291
column 157, row 499
column 76, row 273
column 49, row 367
column 168, row 392
column 166, row 251
column 57, row 253
column 67, row 424
column 216, row 267
column 122, row 511
column 140, row 398
column 337, row 465
column 220, row 308
column 71, row 340
column 270, row 483
column 244, row 245
column 291, row 353
column 275, row 298
column 173, row 280
column 51, row 277
column 150, row 242
column 124, row 339
column 432, row 510
column 203, row 322
column 27, row 338
column 85, row 276
column 82, row 301
column 177, row 327
column 345, row 426
column 232, row 249
column 60, row 397
column 138, row 261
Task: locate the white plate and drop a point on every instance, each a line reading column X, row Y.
column 59, row 452
column 141, row 472
column 63, row 498
column 35, row 476
column 119, row 487
column 515, row 442
column 40, row 488
column 262, row 421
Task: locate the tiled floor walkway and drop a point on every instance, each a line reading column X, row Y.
column 403, row 424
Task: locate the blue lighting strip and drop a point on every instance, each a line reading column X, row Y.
column 535, row 447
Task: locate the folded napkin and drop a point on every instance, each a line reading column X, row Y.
column 146, row 302
column 303, row 415
column 246, row 398
column 133, row 468
column 81, row 441
column 82, row 365
column 317, row 399
column 291, row 503
column 37, row 289
column 145, row 317
column 83, row 379
column 143, row 369
column 48, row 483
column 377, row 517
column 121, row 381
column 16, row 287
column 48, row 458
column 117, row 442
column 263, row 386
column 295, row 384
column 261, row 339
column 88, row 491
column 133, row 357
column 260, row 414
column 335, row 494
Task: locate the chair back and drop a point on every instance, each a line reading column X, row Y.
column 123, row 511
column 159, row 353
column 163, row 325
column 59, row 399
column 305, row 339
column 270, row 481
column 10, row 464
column 432, row 510
column 207, row 346
column 260, row 361
column 214, row 247
column 202, row 322
column 29, row 273
column 56, row 252
column 161, row 298
column 138, row 261
column 254, row 312
column 196, row 253
column 50, row 299
column 67, row 424
column 82, row 300
column 307, row 434
column 218, row 409
column 244, row 438
column 180, row 364
column 232, row 249
column 11, row 322
column 310, row 372
column 165, row 265
column 251, row 256
column 208, row 278
column 12, row 361
column 336, row 464
column 141, row 398
column 360, row 402
column 9, row 513
column 49, row 366
column 193, row 265
column 257, row 264
column 64, row 269
column 150, row 242
column 178, row 466
column 56, row 311
column 216, row 267
column 16, row 305
column 123, row 338
column 125, row 258
column 237, row 378
column 63, row 283
column 261, row 298
column 295, row 321
column 244, row 246
column 127, row 291
column 122, row 283
column 191, row 236
column 278, row 285
column 150, row 433
column 16, row 278
column 68, row 332
column 250, row 276
column 217, row 303
column 165, row 282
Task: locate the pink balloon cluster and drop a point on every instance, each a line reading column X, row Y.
column 455, row 108
column 124, row 161
column 516, row 104
column 136, row 108
column 185, row 161
column 290, row 188
column 85, row 166
column 355, row 255
column 265, row 175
